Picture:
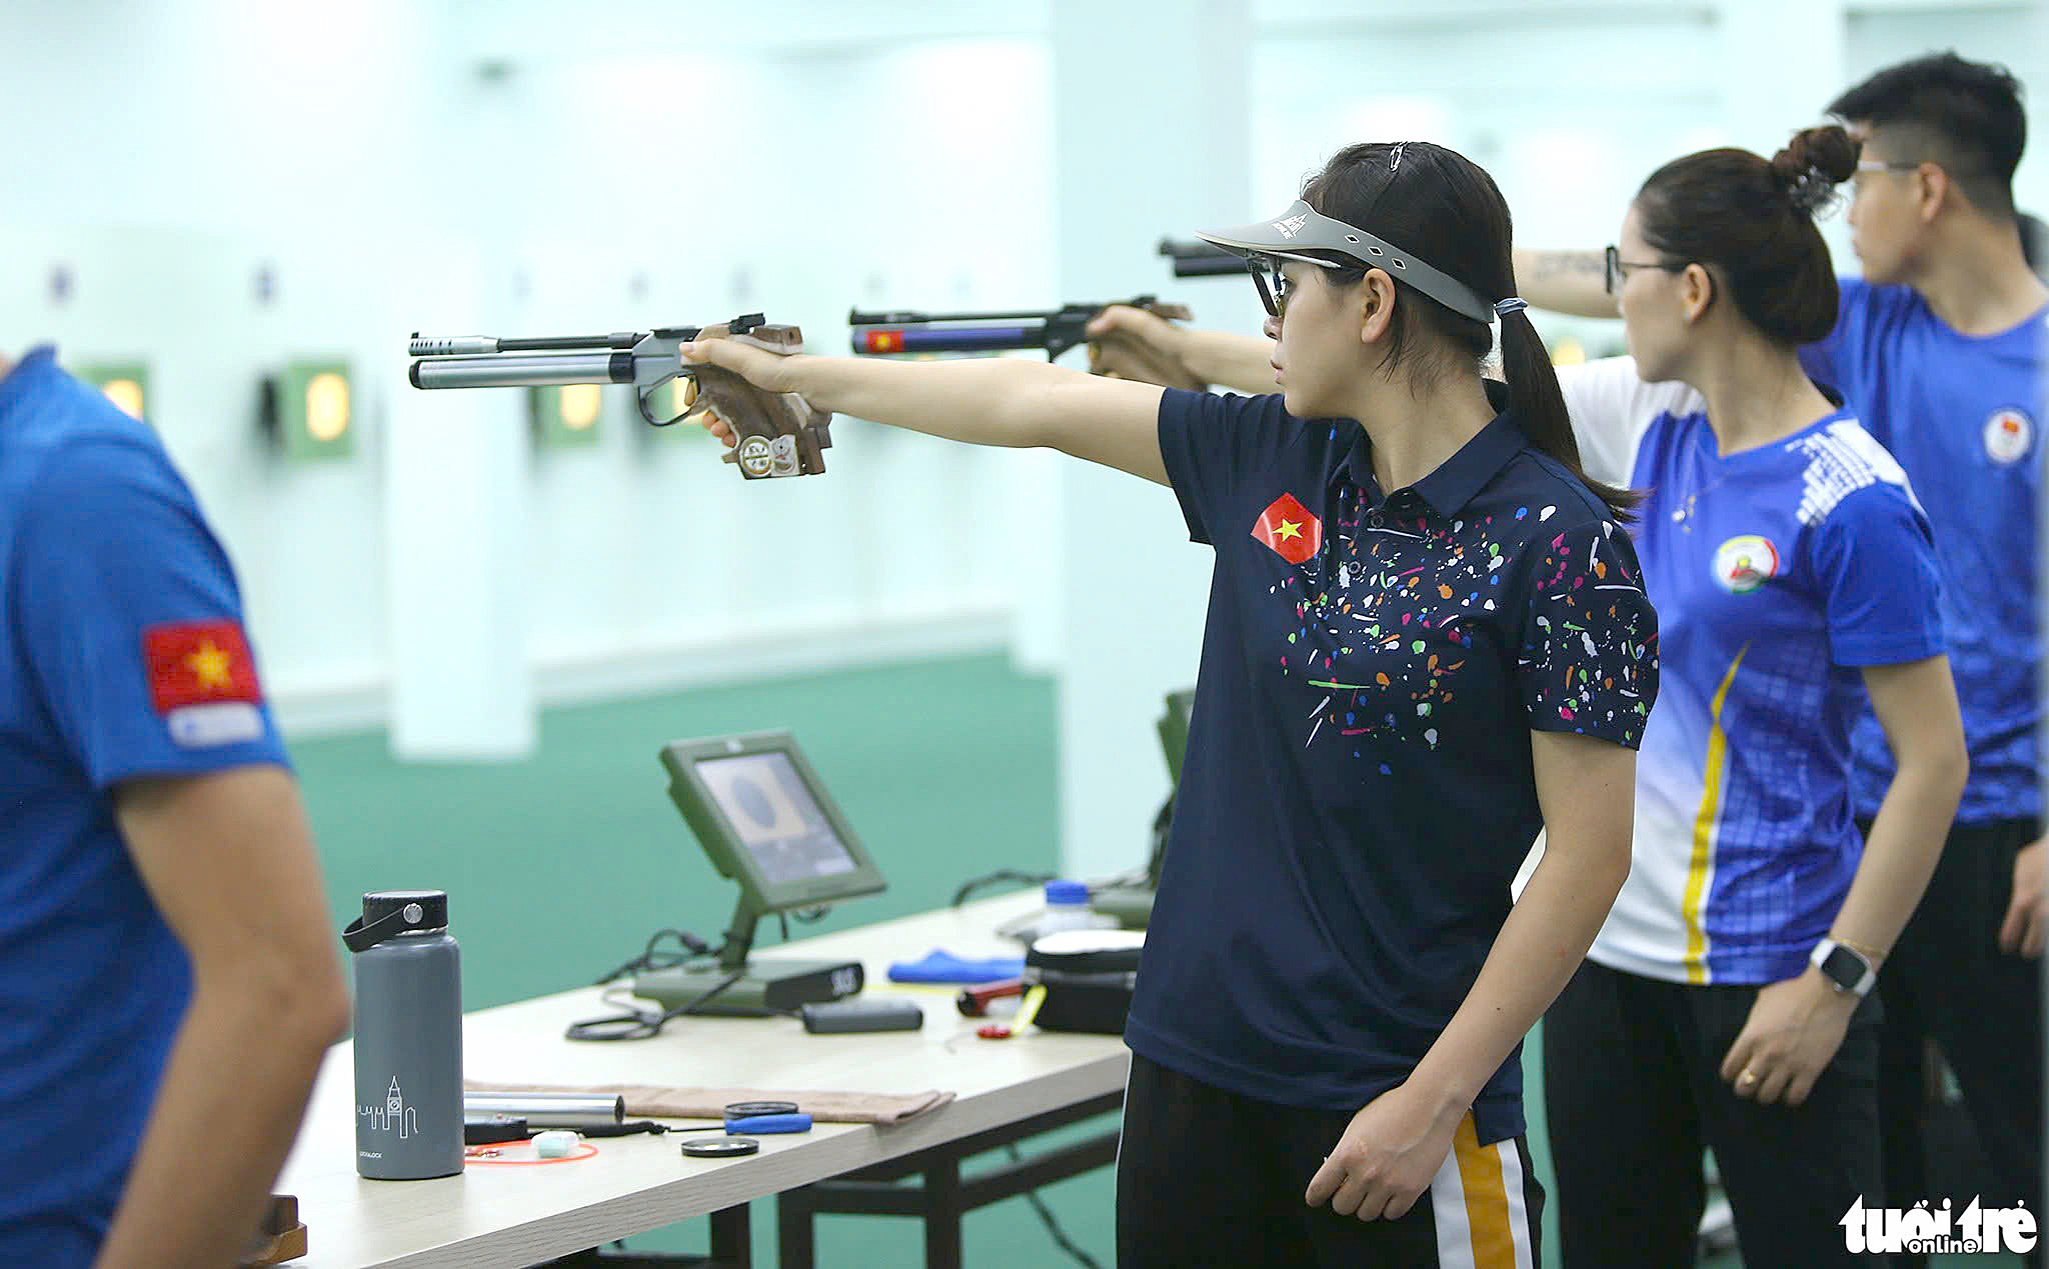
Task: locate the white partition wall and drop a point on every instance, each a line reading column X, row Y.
column 1150, row 117
column 526, row 168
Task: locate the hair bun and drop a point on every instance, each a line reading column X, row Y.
column 1813, row 163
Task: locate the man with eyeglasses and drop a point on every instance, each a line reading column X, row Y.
column 1941, row 347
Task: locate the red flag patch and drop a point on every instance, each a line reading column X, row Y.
column 199, row 663
column 1287, row 527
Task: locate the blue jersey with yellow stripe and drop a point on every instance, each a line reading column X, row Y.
column 1780, row 573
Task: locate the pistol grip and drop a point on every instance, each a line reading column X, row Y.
column 775, row 434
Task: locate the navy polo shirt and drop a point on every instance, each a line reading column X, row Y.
column 1358, row 789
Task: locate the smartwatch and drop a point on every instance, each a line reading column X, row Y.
column 1847, row 970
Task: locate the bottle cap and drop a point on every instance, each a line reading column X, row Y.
column 390, row 913
column 1073, row 892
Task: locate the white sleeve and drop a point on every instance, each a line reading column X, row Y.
column 1611, row 408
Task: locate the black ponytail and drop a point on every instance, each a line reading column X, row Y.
column 1448, row 211
column 1539, row 408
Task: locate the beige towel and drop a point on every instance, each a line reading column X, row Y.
column 652, row 1101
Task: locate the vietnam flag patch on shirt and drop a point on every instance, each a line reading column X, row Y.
column 1289, row 530
column 202, row 681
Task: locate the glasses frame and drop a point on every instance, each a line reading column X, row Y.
column 1889, row 165
column 1615, row 270
column 1274, row 294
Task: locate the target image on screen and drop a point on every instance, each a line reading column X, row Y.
column 775, row 817
column 766, row 820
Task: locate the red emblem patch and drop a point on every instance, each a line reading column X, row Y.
column 1289, row 530
column 199, row 663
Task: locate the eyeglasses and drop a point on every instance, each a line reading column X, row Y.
column 1617, row 269
column 1885, row 165
column 1273, row 285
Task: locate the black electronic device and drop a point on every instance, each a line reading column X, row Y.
column 836, row 1017
column 1131, row 902
column 763, row 816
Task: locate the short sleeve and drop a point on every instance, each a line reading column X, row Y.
column 1874, row 561
column 1611, row 408
column 131, row 622
column 1589, row 657
column 1210, row 442
column 1822, row 359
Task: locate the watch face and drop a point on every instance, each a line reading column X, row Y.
column 1844, row 968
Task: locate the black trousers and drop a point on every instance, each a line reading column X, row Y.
column 1633, row 1092
column 1206, row 1177
column 1947, row 978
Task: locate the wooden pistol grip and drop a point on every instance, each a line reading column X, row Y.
column 759, row 419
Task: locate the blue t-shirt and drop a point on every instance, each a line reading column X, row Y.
column 1358, row 786
column 1780, row 574
column 1963, row 414
column 121, row 656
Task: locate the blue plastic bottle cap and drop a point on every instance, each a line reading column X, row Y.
column 1073, row 892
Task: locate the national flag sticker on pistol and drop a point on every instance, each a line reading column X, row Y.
column 202, row 681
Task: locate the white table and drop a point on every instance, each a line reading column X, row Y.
column 498, row 1216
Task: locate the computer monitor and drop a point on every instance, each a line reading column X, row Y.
column 765, row 820
column 1131, row 902
column 1174, row 730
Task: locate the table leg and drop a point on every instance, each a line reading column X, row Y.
column 795, row 1230
column 732, row 1238
column 942, row 1215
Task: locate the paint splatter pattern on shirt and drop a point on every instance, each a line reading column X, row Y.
column 1395, row 607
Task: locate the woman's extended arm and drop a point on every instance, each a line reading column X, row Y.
column 1243, row 363
column 1002, row 401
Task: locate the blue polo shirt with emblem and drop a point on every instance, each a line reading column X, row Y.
column 1358, row 788
column 1783, row 572
column 1963, row 415
column 121, row 657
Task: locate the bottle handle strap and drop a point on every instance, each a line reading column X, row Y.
column 361, row 938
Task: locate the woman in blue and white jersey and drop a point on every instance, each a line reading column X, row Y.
column 1723, row 1004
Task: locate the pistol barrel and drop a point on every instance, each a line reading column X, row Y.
column 522, row 370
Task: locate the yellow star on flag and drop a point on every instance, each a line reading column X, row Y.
column 212, row 667
column 1288, row 529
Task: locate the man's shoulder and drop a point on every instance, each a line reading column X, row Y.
column 86, row 462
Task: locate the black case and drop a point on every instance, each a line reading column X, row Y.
column 1088, row 988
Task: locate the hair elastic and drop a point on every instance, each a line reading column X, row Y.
column 1513, row 304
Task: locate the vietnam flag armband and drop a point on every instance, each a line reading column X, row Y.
column 202, row 682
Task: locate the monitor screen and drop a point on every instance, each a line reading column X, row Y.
column 774, row 817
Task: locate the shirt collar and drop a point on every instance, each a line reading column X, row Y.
column 1456, row 480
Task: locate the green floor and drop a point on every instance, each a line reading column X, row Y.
column 559, row 867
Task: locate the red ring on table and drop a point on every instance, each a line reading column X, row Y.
column 471, row 1154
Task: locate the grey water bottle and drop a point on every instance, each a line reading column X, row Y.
column 408, row 1037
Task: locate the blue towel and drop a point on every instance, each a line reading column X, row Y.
column 944, row 967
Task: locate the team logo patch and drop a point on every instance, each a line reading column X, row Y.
column 1745, row 562
column 2008, row 433
column 202, row 682
column 1287, row 528
column 1291, row 226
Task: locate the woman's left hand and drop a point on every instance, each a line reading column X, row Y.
column 1387, row 1157
column 1790, row 1037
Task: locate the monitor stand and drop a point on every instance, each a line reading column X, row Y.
column 751, row 986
